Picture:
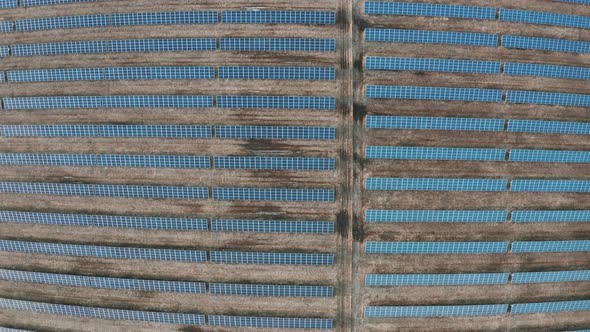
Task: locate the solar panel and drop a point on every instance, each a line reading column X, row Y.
column 534, row 69
column 103, row 252
column 547, row 98
column 272, row 226
column 70, row 189
column 6, row 329
column 436, row 279
column 437, row 311
column 6, row 26
column 550, row 246
column 434, row 123
column 277, row 17
column 436, row 65
column 278, row 44
column 4, row 51
column 164, row 131
column 270, row 322
column 277, row 102
column 585, row 2
column 109, row 160
column 553, row 276
column 543, row 307
column 233, row 257
column 76, row 102
column 436, row 247
column 272, row 163
column 428, row 9
column 8, row 3
column 272, row 194
column 551, row 216
column 271, row 290
column 275, row 132
column 556, row 186
column 436, row 184
column 31, row 3
column 433, row 93
column 527, row 16
column 550, row 156
column 277, row 73
column 549, row 127
column 430, row 37
column 435, row 216
column 424, row 153
column 102, row 282
column 104, row 220
column 103, row 313
column 545, row 44
column 47, row 75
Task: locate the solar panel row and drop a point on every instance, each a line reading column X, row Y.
column 8, row 3
column 272, row 226
column 271, row 290
column 427, row 9
column 543, row 307
column 273, row 163
column 6, row 26
column 475, row 247
column 273, row 194
column 527, row 16
column 476, row 216
column 551, row 216
column 277, row 17
column 32, row 3
column 270, row 322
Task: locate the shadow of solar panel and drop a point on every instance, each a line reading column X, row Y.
column 270, row 322
column 272, row 194
column 271, row 290
column 553, row 276
column 101, row 282
column 104, row 220
column 271, row 226
column 543, row 307
column 435, row 65
column 556, row 186
column 437, row 311
column 430, row 37
column 427, row 9
column 164, row 131
column 275, row 132
column 277, row 17
column 278, row 44
column 277, row 73
column 436, row 247
column 533, row 69
column 8, row 3
column 234, row 257
column 547, row 98
column 545, row 44
column 435, row 184
column 549, row 127
column 433, row 123
column 433, row 93
column 549, row 156
column 436, row 279
column 551, row 246
column 423, row 153
column 551, row 216
column 277, row 102
column 102, row 313
column 272, row 163
column 527, row 16
column 435, row 216
column 6, row 26
column 4, row 51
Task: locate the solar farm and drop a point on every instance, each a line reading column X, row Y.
column 294, row 165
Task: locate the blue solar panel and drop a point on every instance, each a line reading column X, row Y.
column 272, row 226
column 435, row 216
column 433, row 93
column 534, row 69
column 6, row 26
column 47, row 75
column 31, row 3
column 270, row 322
column 277, row 17
column 420, row 153
column 547, row 98
column 436, row 279
column 4, row 51
column 546, row 44
column 109, row 160
column 585, row 2
column 74, row 102
column 233, row 257
column 436, row 184
column 103, row 313
column 550, row 127
column 437, row 65
column 103, row 252
column 427, row 9
column 101, row 282
column 430, row 37
column 277, row 102
column 553, row 276
column 6, row 329
column 272, row 163
column 8, row 3
column 272, row 194
column 436, row 247
column 550, row 156
column 527, row 16
column 104, row 220
column 561, row 186
column 551, row 246
column 437, row 311
column 542, row 307
column 271, row 290
column 69, row 189
column 278, row 44
column 551, row 216
column 172, row 131
column 275, row 132
column 277, row 73
column 433, row 123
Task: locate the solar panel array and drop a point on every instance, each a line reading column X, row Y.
column 273, row 194
column 527, row 16
column 549, row 127
column 551, row 216
column 233, row 257
column 435, row 216
column 277, row 73
column 568, row 186
column 433, row 93
column 271, row 226
column 277, row 102
column 534, row 69
column 552, row 276
column 270, row 322
column 551, row 246
column 8, row 3
column 547, row 98
column 437, row 311
column 277, row 17
column 271, row 290
column 552, row 156
column 430, row 37
column 6, row 26
column 278, row 44
column 273, row 163
column 424, row 153
column 32, row 3
column 434, row 123
column 545, row 44
column 108, row 160
column 74, row 102
column 275, row 132
column 427, row 9
column 436, row 184
column 543, row 307
column 436, row 279
column 429, row 64
column 436, row 247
